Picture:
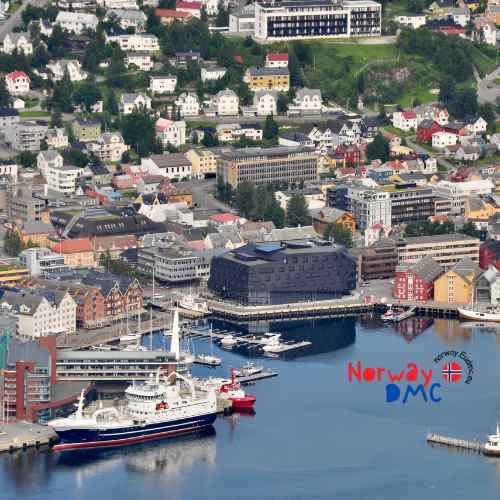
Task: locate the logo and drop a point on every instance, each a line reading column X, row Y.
column 414, row 381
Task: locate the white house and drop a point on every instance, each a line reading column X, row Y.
column 121, row 4
column 460, row 15
column 57, row 138
column 188, row 104
column 141, row 60
column 212, row 73
column 476, row 125
column 143, row 42
column 76, row 22
column 62, row 179
column 277, row 60
column 162, row 84
column 20, row 42
column 18, row 83
column 414, row 22
column 307, row 102
column 128, row 18
column 109, row 147
column 265, row 102
column 226, row 103
column 405, row 120
column 173, row 166
column 71, row 67
column 46, row 159
column 171, row 132
column 133, row 102
column 443, row 139
column 211, row 6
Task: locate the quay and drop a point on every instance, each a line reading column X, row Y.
column 472, row 445
column 23, row 435
column 248, row 379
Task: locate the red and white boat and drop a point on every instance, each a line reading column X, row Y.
column 232, row 390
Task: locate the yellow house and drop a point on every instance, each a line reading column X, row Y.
column 456, row 285
column 203, row 162
column 268, row 79
column 477, row 209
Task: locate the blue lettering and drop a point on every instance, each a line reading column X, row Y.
column 391, row 393
column 414, row 392
column 434, row 399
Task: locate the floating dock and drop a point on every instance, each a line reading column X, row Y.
column 23, row 435
column 472, row 445
column 256, row 376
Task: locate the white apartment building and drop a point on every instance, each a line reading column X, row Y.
column 443, row 139
column 172, row 166
column 141, row 60
column 62, row 179
column 42, row 262
column 20, row 42
column 405, row 120
column 171, row 132
column 162, row 84
column 109, row 147
column 227, row 103
column 265, row 102
column 128, row 18
column 414, row 22
column 50, row 158
column 231, row 132
column 76, row 22
column 71, row 67
column 136, row 43
column 133, row 102
column 212, row 73
column 57, row 138
column 307, row 102
column 18, row 83
column 25, row 136
column 120, row 4
column 459, row 192
column 369, row 207
column 188, row 104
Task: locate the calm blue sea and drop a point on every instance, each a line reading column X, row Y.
column 314, row 434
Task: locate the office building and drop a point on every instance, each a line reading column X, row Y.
column 369, row 207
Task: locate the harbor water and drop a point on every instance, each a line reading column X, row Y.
column 315, row 434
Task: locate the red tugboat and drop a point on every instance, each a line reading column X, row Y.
column 233, row 391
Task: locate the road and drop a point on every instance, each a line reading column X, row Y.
column 203, row 195
column 487, row 89
column 421, row 150
column 15, row 19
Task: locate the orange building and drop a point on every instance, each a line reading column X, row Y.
column 35, row 232
column 77, row 252
column 322, row 217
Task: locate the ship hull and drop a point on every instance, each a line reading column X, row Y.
column 91, row 438
column 478, row 316
column 243, row 403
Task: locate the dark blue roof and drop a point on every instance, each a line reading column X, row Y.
column 268, row 248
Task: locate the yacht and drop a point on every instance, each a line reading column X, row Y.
column 130, row 338
column 492, row 446
column 228, row 341
column 193, row 303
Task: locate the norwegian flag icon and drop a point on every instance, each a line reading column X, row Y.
column 452, row 372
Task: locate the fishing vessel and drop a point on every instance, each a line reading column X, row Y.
column 248, row 369
column 193, row 303
column 240, row 399
column 153, row 409
column 492, row 446
column 395, row 315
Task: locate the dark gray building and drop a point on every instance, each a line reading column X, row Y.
column 277, row 273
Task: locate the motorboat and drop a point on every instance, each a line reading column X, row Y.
column 207, row 359
column 395, row 315
column 193, row 303
column 491, row 315
column 228, row 341
column 130, row 338
column 248, row 369
column 233, row 392
column 492, row 446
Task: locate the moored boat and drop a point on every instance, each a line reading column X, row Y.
column 207, row 359
column 492, row 315
column 492, row 446
column 248, row 369
column 240, row 399
column 228, row 342
column 193, row 303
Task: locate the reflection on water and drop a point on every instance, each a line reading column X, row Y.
column 411, row 328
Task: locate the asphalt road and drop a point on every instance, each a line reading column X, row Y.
column 421, row 150
column 487, row 89
column 15, row 19
column 203, row 195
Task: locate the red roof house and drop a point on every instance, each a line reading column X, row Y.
column 426, row 129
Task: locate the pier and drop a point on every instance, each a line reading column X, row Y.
column 256, row 376
column 23, row 435
column 472, row 445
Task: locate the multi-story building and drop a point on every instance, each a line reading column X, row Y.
column 379, row 260
column 265, row 102
column 49, row 158
column 212, row 73
column 268, row 79
column 109, row 147
column 42, row 262
column 242, row 20
column 134, row 102
column 86, row 130
column 171, row 132
column 405, row 120
column 76, row 22
column 188, row 104
column 144, row 42
column 443, row 139
column 62, row 179
column 231, row 132
column 72, row 5
column 369, row 207
column 411, row 204
column 26, row 136
column 282, row 272
column 57, row 138
column 277, row 165
column 140, row 60
column 162, row 84
column 445, row 249
column 414, row 22
column 460, row 192
column 172, row 166
column 77, row 252
column 306, row 102
column 203, row 162
column 25, row 204
column 292, row 20
column 8, row 118
column 226, row 102
column 416, row 281
column 19, row 42
column 456, row 285
column 18, row 83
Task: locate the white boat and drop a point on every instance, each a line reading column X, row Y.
column 476, row 315
column 193, row 303
column 492, row 446
column 130, row 338
column 270, row 338
column 248, row 369
column 101, row 347
column 207, row 359
column 395, row 316
column 274, row 345
column 135, row 348
column 228, row 342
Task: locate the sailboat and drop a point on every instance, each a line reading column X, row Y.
column 208, row 359
column 472, row 313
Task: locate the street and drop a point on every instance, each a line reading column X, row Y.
column 203, row 195
column 487, row 89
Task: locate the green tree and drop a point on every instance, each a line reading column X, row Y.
column 12, row 244
column 76, row 157
column 62, row 96
column 222, row 18
column 470, row 230
column 27, row 159
column 339, row 234
column 224, row 191
column 271, row 128
column 244, row 199
column 379, row 149
column 138, row 130
column 111, row 103
column 56, row 119
column 297, row 213
column 87, row 95
column 4, row 94
column 282, row 104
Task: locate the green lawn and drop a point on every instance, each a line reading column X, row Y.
column 34, row 114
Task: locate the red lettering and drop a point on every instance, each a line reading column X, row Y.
column 354, row 371
column 394, row 377
column 412, row 372
column 380, row 371
column 369, row 374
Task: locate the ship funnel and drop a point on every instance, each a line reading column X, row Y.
column 175, row 342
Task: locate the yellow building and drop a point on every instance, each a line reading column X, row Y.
column 268, row 79
column 455, row 286
column 477, row 209
column 203, row 162
column 11, row 276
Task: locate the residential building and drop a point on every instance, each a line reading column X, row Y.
column 8, row 168
column 162, row 84
column 134, row 102
column 8, row 118
column 57, row 138
column 77, row 252
column 25, row 204
column 86, row 130
column 188, row 104
column 279, row 21
column 203, row 162
column 42, row 262
column 443, row 139
column 445, row 249
column 171, row 132
column 307, row 102
column 426, row 129
column 283, row 272
column 40, row 312
column 70, row 67
column 119, row 4
column 212, row 73
column 231, row 132
column 227, row 103
column 140, row 60
column 128, row 18
column 268, row 79
column 17, row 42
column 268, row 166
column 323, row 217
column 414, row 22
column 49, row 158
column 143, row 42
column 26, row 135
column 72, row 5
column 242, row 20
column 456, row 285
column 369, row 207
column 489, row 254
column 109, row 147
column 265, row 102
column 189, row 7
column 277, row 60
column 173, row 166
column 459, row 192
column 76, row 22
column 487, row 287
column 476, row 124
column 62, row 179
column 34, row 233
column 17, row 83
column 168, row 16
column 416, row 281
column 405, row 120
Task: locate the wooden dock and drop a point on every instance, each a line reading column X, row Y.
column 472, row 445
